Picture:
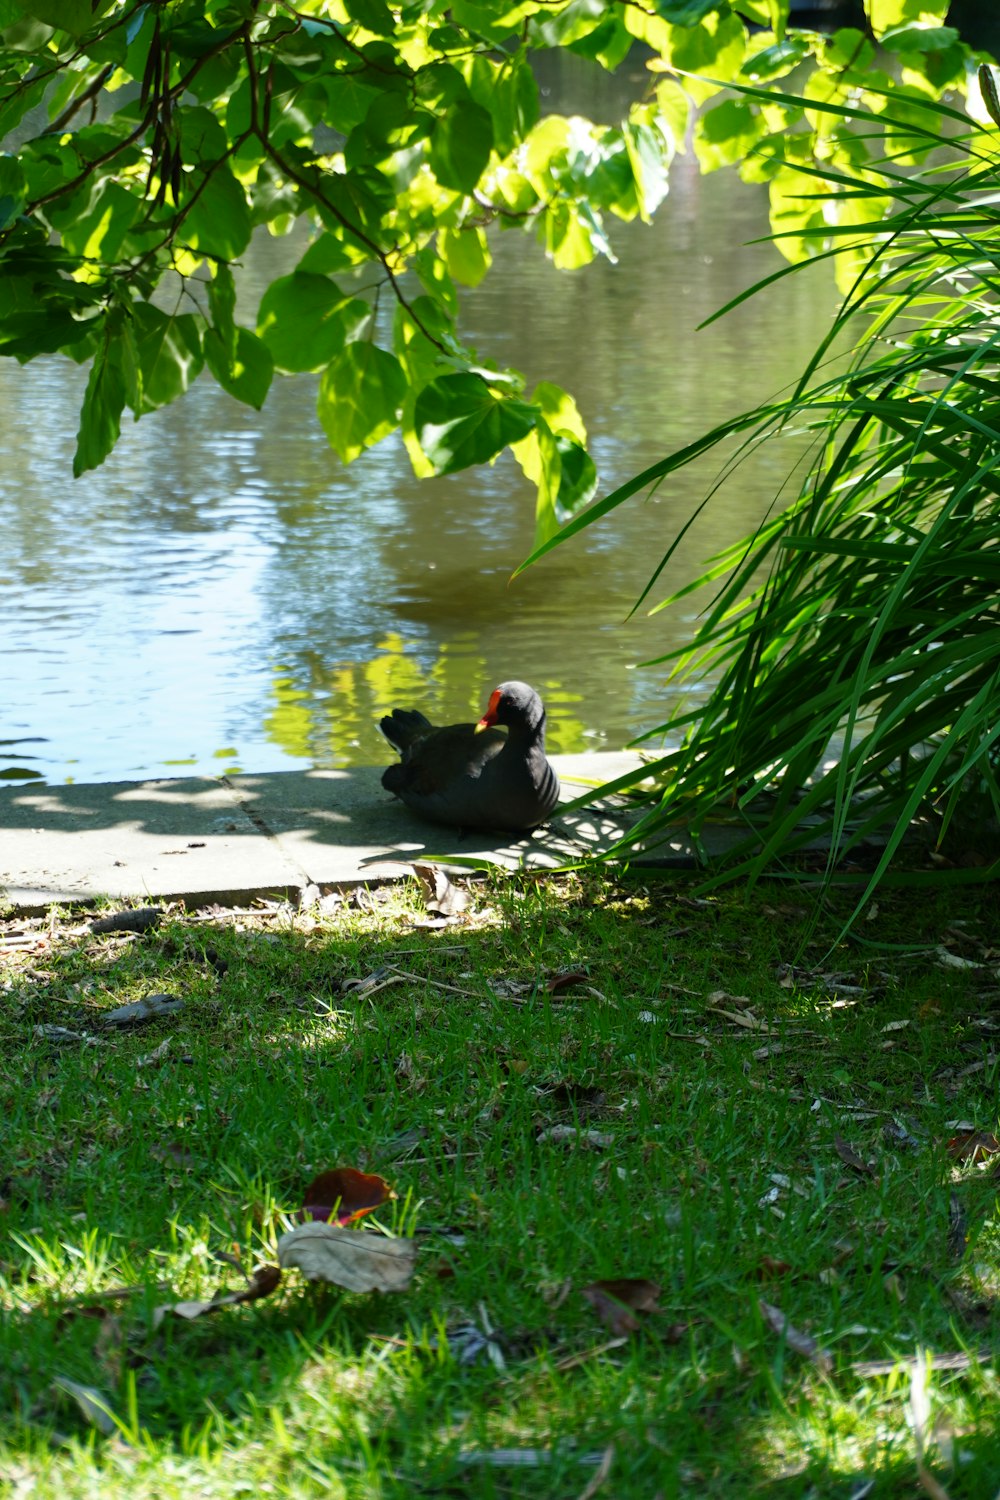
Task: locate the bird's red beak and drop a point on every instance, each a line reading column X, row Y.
column 490, row 716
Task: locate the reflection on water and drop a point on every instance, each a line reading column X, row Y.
column 223, row 592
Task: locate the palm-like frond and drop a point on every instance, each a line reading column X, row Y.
column 866, row 614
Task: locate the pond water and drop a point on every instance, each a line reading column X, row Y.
column 224, row 594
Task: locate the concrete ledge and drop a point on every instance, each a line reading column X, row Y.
column 230, row 839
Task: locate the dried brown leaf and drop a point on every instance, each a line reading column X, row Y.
column 974, row 1144
column 141, row 919
column 801, row 1343
column 173, row 1154
column 850, row 1157
column 565, row 980
column 441, row 896
column 353, row 1258
column 582, row 1096
column 769, row 1269
column 109, row 1348
column 617, row 1301
column 597, row 1479
column 261, row 1284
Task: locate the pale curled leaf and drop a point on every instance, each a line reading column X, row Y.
column 604, row 1469
column 801, row 1343
column 851, row 1158
column 441, row 896
column 154, row 1058
column 261, row 1284
column 520, row 1458
column 93, row 1403
column 356, row 1259
column 746, row 1019
column 949, row 960
column 138, row 1012
column 722, row 997
column 571, row 1135
column 61, row 1035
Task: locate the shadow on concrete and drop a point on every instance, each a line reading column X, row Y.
column 233, row 837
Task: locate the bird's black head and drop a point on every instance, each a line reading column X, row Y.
column 515, row 704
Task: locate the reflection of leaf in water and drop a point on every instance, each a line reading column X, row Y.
column 20, row 773
column 330, row 715
column 290, row 722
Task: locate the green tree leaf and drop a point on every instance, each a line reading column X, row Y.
column 146, row 140
column 715, row 49
column 886, row 15
column 460, row 146
column 777, row 60
column 648, row 160
column 919, row 38
column 95, row 222
column 245, row 373
column 222, row 305
column 360, row 396
column 74, row 16
column 24, row 335
column 461, row 421
column 13, row 190
column 305, row 320
column 727, row 133
column 687, row 12
column 218, row 221
column 466, row 254
column 103, row 402
column 169, row 353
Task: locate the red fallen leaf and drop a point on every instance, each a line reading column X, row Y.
column 972, row 1143
column 344, row 1194
column 616, row 1302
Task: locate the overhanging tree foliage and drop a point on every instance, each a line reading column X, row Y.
column 144, row 143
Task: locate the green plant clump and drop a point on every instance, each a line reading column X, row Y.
column 860, row 623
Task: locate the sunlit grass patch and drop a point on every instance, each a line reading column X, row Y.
column 792, row 1143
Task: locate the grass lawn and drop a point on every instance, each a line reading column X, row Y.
column 790, row 1136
